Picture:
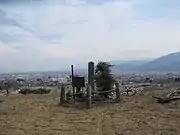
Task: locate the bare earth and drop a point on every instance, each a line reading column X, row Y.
column 40, row 115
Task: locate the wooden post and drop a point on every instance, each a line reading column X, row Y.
column 62, row 95
column 72, row 75
column 89, row 102
column 7, row 92
column 117, row 92
column 91, row 74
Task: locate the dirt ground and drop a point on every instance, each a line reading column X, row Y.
column 40, row 115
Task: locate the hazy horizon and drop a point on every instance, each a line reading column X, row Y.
column 53, row 34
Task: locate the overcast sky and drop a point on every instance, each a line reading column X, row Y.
column 52, row 34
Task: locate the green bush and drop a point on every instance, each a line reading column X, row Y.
column 34, row 91
column 103, row 78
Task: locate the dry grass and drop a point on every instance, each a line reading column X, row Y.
column 40, row 115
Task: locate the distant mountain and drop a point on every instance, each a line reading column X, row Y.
column 127, row 66
column 118, row 62
column 167, row 63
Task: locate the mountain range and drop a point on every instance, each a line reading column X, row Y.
column 166, row 63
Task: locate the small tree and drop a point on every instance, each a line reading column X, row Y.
column 6, row 85
column 103, row 77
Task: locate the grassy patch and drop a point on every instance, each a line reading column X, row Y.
column 134, row 115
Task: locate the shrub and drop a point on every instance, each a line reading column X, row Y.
column 103, row 77
column 34, row 91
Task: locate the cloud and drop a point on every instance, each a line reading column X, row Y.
column 6, row 21
column 78, row 31
column 148, row 9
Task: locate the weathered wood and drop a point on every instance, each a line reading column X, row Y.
column 165, row 99
column 62, row 94
column 89, row 100
column 91, row 74
column 69, row 96
column 173, row 93
column 117, row 92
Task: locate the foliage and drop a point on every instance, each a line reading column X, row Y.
column 5, row 84
column 103, row 77
column 34, row 91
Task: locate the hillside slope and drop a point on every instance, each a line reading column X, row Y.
column 167, row 63
column 128, row 66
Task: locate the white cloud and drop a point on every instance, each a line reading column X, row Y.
column 6, row 50
column 92, row 32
